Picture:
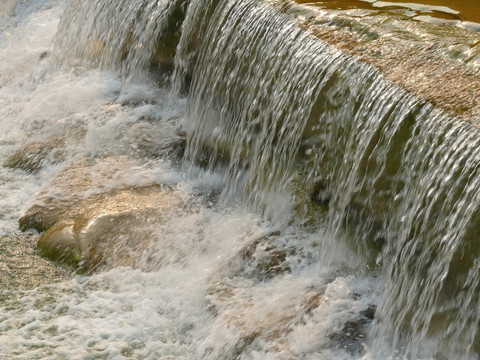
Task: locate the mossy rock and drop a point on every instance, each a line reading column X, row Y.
column 60, row 244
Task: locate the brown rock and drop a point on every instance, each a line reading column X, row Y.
column 110, row 230
column 91, row 220
column 75, row 189
column 437, row 62
column 31, row 156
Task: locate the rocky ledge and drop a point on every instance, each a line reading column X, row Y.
column 435, row 60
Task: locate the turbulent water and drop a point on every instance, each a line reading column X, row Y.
column 332, row 215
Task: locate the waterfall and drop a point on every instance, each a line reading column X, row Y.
column 289, row 121
column 130, row 36
column 268, row 100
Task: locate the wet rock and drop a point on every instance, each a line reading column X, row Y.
column 353, row 332
column 260, row 259
column 155, row 141
column 93, row 216
column 78, row 187
column 168, row 39
column 31, row 157
column 260, row 314
column 436, row 62
column 320, row 193
column 109, row 230
column 263, row 260
column 59, row 244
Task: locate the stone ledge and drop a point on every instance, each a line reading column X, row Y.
column 439, row 63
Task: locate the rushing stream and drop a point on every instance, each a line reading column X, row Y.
column 329, row 214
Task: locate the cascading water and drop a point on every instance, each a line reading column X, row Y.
column 402, row 176
column 355, row 194
column 127, row 36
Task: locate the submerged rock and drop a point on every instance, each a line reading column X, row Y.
column 352, row 335
column 320, row 193
column 263, row 314
column 260, row 259
column 154, row 141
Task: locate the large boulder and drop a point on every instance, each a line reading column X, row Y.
column 110, row 230
column 78, row 187
column 90, row 217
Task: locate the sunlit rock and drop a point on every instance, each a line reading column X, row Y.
column 110, row 230
column 93, row 214
column 59, row 243
column 435, row 60
column 73, row 190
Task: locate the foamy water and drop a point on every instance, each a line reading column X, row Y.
column 196, row 294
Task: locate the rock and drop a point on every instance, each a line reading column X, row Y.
column 77, row 187
column 320, row 193
column 154, row 141
column 436, row 62
column 168, row 39
column 110, row 230
column 261, row 259
column 93, row 217
column 353, row 332
column 59, row 244
column 31, row 157
column 269, row 317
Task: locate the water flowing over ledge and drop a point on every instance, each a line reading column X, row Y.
column 272, row 102
column 293, row 123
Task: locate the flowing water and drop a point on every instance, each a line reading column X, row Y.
column 331, row 214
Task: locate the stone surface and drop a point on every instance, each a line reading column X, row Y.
column 93, row 217
column 111, row 230
column 31, row 156
column 437, row 62
column 352, row 336
column 79, row 186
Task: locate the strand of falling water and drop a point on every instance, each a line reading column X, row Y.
column 368, row 125
column 117, row 35
column 437, row 240
column 385, row 124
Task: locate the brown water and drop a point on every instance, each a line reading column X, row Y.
column 466, row 10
